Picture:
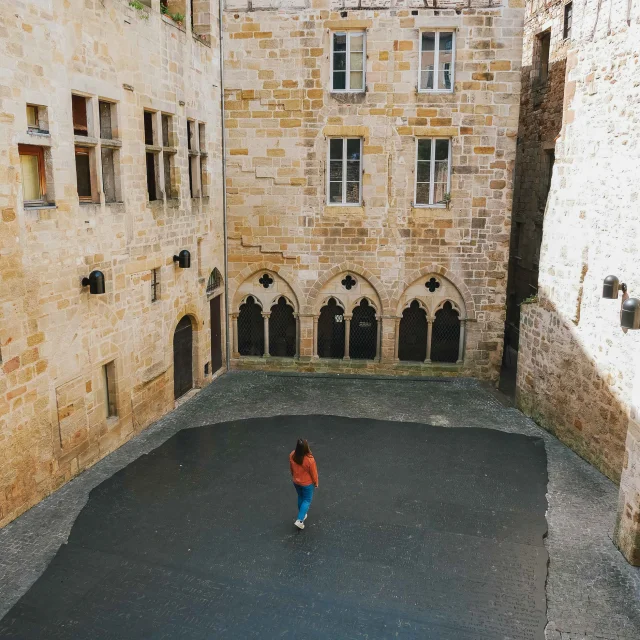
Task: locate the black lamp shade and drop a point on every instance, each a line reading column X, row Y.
column 95, row 282
column 610, row 288
column 183, row 259
column 630, row 314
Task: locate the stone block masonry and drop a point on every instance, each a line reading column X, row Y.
column 80, row 374
column 282, row 112
column 578, row 371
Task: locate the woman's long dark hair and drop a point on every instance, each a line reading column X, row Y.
column 302, row 450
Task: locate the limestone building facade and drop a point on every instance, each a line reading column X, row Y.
column 110, row 165
column 370, row 156
column 578, row 369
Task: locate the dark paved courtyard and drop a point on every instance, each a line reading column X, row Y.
column 426, row 532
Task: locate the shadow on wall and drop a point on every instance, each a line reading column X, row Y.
column 560, row 387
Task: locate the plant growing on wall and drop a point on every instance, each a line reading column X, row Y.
column 139, row 7
column 447, row 199
column 178, row 18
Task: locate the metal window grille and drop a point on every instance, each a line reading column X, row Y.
column 364, row 329
column 445, row 339
column 331, row 331
column 250, row 329
column 215, row 281
column 282, row 330
column 568, row 19
column 155, row 285
column 412, row 343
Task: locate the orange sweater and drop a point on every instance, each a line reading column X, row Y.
column 306, row 473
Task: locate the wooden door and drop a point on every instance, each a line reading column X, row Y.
column 216, row 334
column 183, row 357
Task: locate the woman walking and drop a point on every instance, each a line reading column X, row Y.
column 305, row 477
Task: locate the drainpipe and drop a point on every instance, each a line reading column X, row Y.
column 224, row 192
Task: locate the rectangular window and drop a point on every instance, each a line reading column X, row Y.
column 544, row 47
column 83, row 174
column 166, row 130
column 202, row 138
column 568, row 19
column 433, row 171
column 106, row 128
column 168, row 186
column 32, row 117
column 345, row 171
column 190, row 145
column 155, row 285
column 204, row 190
column 109, row 371
column 348, row 61
column 149, row 133
column 109, row 174
column 152, row 182
column 33, row 174
column 79, row 112
column 437, row 60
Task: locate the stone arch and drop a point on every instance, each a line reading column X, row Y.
column 466, row 299
column 447, row 290
column 248, row 272
column 371, row 302
column 320, row 286
column 215, row 281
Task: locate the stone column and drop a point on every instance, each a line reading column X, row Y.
column 378, row 336
column 463, row 325
column 234, row 335
column 347, row 336
column 266, row 317
column 315, row 337
column 396, row 339
column 429, row 336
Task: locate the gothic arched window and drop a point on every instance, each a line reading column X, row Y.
column 364, row 330
column 445, row 340
column 215, row 281
column 282, row 330
column 331, row 330
column 412, row 342
column 250, row 329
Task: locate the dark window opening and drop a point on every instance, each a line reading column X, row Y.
column 250, row 329
column 79, row 114
column 83, row 174
column 445, row 340
column 189, row 134
column 282, row 330
column 364, row 331
column 148, row 128
column 331, row 331
column 412, row 341
column 155, row 285
column 110, row 389
column 168, row 184
column 544, row 48
column 151, row 176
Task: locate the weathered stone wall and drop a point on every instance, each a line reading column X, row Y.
column 54, row 336
column 578, row 373
column 540, row 123
column 279, row 116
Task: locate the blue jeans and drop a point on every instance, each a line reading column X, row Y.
column 305, row 496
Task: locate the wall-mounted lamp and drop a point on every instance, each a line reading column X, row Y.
column 183, row 259
column 630, row 309
column 612, row 287
column 95, row 282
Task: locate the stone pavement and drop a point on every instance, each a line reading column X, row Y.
column 592, row 592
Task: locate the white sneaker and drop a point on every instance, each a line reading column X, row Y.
column 299, row 524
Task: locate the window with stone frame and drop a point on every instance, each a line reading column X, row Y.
column 155, row 285
column 80, row 114
column 344, row 177
column 34, row 181
column 541, row 60
column 152, row 155
column 37, row 120
column 109, row 151
column 168, row 153
column 84, row 173
column 436, row 61
column 433, row 172
column 568, row 20
column 348, row 61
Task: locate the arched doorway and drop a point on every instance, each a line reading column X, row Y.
column 282, row 330
column 183, row 357
column 250, row 329
column 364, row 329
column 445, row 341
column 412, row 341
column 331, row 330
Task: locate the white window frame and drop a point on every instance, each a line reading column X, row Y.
column 432, row 173
column 348, row 35
column 436, row 60
column 344, row 173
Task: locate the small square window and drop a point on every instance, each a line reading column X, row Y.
column 79, row 112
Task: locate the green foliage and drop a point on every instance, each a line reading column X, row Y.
column 138, row 6
column 177, row 17
column 447, row 199
column 164, row 9
column 530, row 300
